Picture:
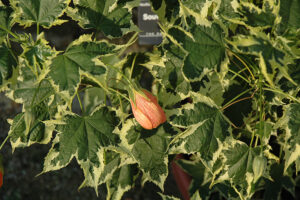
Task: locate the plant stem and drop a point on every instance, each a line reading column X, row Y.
column 132, row 66
column 130, row 42
column 121, row 81
column 119, row 71
column 256, row 141
column 261, row 108
column 237, row 74
column 10, row 50
column 121, row 107
column 241, row 60
column 5, row 140
column 252, row 137
column 116, row 91
column 285, row 94
column 232, row 100
column 35, row 93
column 80, row 103
column 10, row 32
column 37, row 29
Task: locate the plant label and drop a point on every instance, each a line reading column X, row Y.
column 147, row 22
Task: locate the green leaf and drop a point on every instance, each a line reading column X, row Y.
column 259, row 17
column 112, row 162
column 211, row 86
column 85, row 139
column 206, row 49
column 196, row 196
column 292, row 126
column 6, row 22
column 239, row 159
column 227, row 9
column 122, row 181
column 79, row 58
column 290, row 16
column 194, row 168
column 264, row 130
column 196, row 8
column 109, row 16
column 206, row 129
column 7, row 65
column 226, row 191
column 199, row 186
column 167, row 10
column 271, row 57
column 148, row 148
column 28, row 128
column 28, row 90
column 167, row 197
column 93, row 97
column 37, row 53
column 150, row 153
column 168, row 69
column 203, row 177
column 43, row 12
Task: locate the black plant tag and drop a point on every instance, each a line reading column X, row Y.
column 147, row 22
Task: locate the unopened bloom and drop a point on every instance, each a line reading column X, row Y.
column 147, row 112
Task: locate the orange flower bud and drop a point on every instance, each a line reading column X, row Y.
column 147, row 112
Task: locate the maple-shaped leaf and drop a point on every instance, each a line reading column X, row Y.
column 149, row 149
column 85, row 138
column 239, row 158
column 42, row 12
column 205, row 48
column 206, row 128
column 66, row 68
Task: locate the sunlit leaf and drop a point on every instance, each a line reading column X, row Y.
column 206, row 129
column 43, row 12
column 79, row 58
column 85, row 139
column 206, row 50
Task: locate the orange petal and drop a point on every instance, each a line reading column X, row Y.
column 141, row 118
column 151, row 108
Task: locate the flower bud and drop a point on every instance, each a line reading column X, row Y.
column 259, row 165
column 146, row 110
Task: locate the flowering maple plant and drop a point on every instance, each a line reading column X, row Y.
column 226, row 78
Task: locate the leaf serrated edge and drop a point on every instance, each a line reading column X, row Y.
column 27, row 23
